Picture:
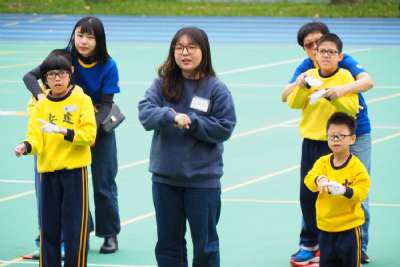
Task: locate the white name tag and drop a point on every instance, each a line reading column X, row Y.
column 200, row 103
column 70, row 108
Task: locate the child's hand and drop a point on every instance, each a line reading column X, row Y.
column 322, row 182
column 48, row 127
column 20, row 149
column 336, row 189
column 182, row 121
column 336, row 92
column 300, row 81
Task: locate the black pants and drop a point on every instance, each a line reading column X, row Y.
column 311, row 151
column 340, row 249
column 65, row 209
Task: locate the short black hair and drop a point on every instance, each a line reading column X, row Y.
column 331, row 37
column 58, row 59
column 91, row 25
column 341, row 118
column 306, row 29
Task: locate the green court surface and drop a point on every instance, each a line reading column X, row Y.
column 260, row 218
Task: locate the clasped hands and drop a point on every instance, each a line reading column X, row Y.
column 182, row 121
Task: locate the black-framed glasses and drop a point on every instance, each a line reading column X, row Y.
column 191, row 48
column 329, row 52
column 51, row 75
column 337, row 137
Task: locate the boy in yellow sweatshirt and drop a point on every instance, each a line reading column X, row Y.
column 309, row 96
column 342, row 183
column 61, row 129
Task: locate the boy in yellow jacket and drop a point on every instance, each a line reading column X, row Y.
column 61, row 128
column 342, row 183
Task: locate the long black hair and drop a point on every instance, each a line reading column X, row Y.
column 170, row 72
column 90, row 25
column 58, row 59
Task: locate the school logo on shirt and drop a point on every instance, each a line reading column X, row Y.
column 200, row 103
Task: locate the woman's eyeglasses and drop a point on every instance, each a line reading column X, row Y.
column 191, row 48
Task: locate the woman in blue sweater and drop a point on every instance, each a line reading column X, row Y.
column 191, row 113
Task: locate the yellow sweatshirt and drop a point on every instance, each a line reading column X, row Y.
column 315, row 116
column 339, row 213
column 55, row 152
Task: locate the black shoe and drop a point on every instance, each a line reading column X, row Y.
column 110, row 245
column 364, row 257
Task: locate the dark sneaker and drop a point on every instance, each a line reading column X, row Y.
column 364, row 258
column 110, row 245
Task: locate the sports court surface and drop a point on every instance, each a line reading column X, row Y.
column 255, row 57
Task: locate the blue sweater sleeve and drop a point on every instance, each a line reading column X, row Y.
column 217, row 126
column 303, row 67
column 152, row 114
column 350, row 64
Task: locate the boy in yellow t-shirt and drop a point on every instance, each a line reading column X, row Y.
column 61, row 128
column 342, row 183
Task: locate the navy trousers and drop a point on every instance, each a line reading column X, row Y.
column 311, row 151
column 65, row 208
column 104, row 171
column 201, row 207
column 340, row 249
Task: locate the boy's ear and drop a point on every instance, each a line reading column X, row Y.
column 340, row 56
column 72, row 69
column 353, row 139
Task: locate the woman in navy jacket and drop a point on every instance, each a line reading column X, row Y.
column 191, row 114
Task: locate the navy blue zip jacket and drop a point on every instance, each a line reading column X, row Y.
column 189, row 157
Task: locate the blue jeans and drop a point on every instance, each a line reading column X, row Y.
column 104, row 171
column 362, row 149
column 201, row 207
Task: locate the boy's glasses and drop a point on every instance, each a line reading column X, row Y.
column 328, row 52
column 189, row 48
column 311, row 45
column 51, row 75
column 337, row 137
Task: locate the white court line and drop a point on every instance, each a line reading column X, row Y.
column 278, row 201
column 27, row 262
column 278, row 63
column 263, row 129
column 386, row 127
column 13, row 113
column 19, row 65
column 380, row 99
column 16, row 181
column 15, row 196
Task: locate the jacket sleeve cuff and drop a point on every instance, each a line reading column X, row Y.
column 349, row 192
column 170, row 116
column 70, row 135
column 28, row 147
